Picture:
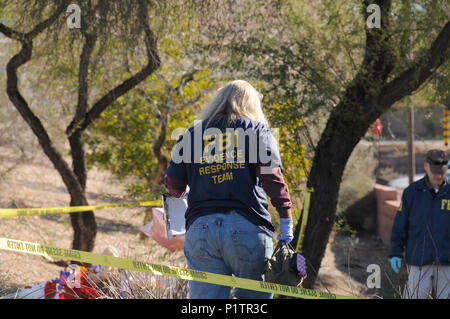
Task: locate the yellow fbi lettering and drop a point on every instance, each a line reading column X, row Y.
column 222, row 171
column 445, row 204
column 224, row 140
column 228, row 176
column 227, row 156
column 216, row 168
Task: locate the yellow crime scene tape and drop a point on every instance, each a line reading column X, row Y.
column 18, row 212
column 163, row 270
column 301, row 235
column 134, row 265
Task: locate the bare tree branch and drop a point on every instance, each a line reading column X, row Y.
column 150, row 101
column 83, row 72
column 154, row 62
column 75, row 140
column 12, row 34
column 97, row 109
column 410, row 80
column 172, row 93
column 21, row 37
column 162, row 78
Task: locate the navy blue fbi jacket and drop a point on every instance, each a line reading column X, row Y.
column 422, row 226
column 219, row 165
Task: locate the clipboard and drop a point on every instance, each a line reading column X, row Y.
column 174, row 210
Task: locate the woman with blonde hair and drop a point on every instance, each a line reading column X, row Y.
column 236, row 98
column 232, row 164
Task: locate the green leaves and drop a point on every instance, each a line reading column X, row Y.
column 125, row 138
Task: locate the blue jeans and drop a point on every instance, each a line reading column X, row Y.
column 226, row 243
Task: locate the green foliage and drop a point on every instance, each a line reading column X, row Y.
column 304, row 54
column 289, row 123
column 124, row 138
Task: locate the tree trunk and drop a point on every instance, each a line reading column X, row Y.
column 163, row 163
column 70, row 179
column 83, row 224
column 332, row 153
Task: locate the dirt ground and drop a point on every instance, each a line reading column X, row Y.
column 355, row 255
column 36, row 184
column 33, row 182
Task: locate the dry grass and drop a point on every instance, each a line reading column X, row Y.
column 36, row 184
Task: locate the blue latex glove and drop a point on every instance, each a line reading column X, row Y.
column 396, row 264
column 287, row 233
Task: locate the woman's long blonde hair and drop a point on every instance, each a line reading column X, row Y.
column 236, row 98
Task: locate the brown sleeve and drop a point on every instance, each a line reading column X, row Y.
column 176, row 186
column 276, row 188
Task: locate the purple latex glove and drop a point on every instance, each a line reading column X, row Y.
column 301, row 265
column 287, row 233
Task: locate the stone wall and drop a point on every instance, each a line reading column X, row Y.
column 388, row 201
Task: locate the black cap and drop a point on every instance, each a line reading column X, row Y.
column 438, row 161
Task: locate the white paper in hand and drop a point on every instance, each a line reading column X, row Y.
column 174, row 210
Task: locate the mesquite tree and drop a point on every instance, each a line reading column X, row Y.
column 347, row 61
column 373, row 91
column 100, row 21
